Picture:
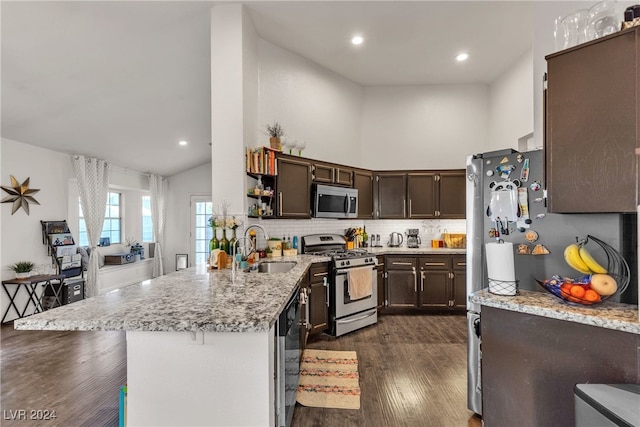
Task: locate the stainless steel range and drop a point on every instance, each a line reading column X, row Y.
column 353, row 285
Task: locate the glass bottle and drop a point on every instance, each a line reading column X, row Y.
column 224, row 243
column 289, row 246
column 232, row 241
column 214, row 243
column 365, row 237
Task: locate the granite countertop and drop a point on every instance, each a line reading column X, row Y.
column 609, row 315
column 423, row 250
column 187, row 300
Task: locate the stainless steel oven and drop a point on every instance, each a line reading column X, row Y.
column 346, row 313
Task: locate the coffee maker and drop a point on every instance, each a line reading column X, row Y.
column 413, row 240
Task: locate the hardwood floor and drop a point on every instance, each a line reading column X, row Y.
column 76, row 374
column 412, row 373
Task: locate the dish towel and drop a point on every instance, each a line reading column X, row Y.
column 360, row 282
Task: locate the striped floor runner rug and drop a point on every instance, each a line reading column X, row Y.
column 329, row 379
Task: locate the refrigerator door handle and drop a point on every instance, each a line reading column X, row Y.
column 476, row 327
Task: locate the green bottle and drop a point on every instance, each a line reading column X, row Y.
column 365, row 237
column 214, row 243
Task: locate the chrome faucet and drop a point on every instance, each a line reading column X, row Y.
column 266, row 235
column 234, row 253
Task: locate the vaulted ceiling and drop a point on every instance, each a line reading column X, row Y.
column 125, row 81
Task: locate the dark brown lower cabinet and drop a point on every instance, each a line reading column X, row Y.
column 318, row 298
column 424, row 283
column 304, row 299
column 382, row 295
column 530, row 365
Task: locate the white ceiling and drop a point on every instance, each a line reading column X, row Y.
column 124, row 81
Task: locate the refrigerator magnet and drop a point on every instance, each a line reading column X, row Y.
column 523, row 249
column 531, row 236
column 540, row 250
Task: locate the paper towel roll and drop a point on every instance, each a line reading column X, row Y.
column 500, row 268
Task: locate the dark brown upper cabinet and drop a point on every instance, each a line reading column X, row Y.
column 592, row 125
column 325, row 173
column 452, row 194
column 421, row 195
column 391, row 195
column 293, row 188
column 363, row 182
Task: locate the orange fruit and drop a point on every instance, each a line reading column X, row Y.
column 577, row 291
column 591, row 295
column 566, row 288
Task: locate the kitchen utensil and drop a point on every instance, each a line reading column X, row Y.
column 395, row 239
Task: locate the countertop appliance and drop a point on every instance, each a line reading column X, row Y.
column 346, row 314
column 288, row 359
column 395, row 239
column 413, row 240
column 486, row 172
column 328, row 201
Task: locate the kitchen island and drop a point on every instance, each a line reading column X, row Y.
column 535, row 348
column 200, row 349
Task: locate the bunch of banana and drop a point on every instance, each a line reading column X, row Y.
column 579, row 258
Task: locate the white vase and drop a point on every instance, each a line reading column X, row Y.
column 23, row 275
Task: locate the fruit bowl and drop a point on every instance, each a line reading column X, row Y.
column 593, row 288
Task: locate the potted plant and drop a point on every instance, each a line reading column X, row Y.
column 275, row 132
column 22, row 269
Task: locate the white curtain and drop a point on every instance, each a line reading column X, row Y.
column 158, row 186
column 92, row 176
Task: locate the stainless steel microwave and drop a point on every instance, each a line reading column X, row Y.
column 334, row 202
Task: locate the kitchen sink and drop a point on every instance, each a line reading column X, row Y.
column 272, row 267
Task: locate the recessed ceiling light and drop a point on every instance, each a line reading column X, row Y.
column 183, row 143
column 462, row 57
column 357, row 40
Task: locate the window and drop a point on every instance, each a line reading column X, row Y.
column 147, row 221
column 202, row 233
column 112, row 221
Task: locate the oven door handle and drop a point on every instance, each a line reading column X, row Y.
column 367, row 314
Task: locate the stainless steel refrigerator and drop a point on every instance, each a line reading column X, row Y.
column 485, row 172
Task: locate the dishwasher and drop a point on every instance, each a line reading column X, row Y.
column 288, row 360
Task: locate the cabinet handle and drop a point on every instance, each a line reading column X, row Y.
column 404, row 207
column 325, row 283
column 280, row 203
column 461, row 264
column 434, row 263
column 320, row 274
column 333, row 175
column 421, row 281
column 402, row 263
column 415, row 282
column 410, row 210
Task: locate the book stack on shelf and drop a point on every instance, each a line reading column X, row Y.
column 262, row 161
column 62, row 247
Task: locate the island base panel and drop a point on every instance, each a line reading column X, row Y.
column 530, row 365
column 216, row 379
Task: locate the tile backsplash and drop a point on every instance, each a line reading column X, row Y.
column 429, row 228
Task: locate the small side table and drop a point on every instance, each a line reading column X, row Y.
column 31, row 285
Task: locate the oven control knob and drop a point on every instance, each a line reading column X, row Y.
column 348, row 263
column 342, row 263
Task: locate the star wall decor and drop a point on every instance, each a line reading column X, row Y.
column 19, row 195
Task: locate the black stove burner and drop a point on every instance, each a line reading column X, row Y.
column 342, row 253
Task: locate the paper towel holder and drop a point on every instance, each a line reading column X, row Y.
column 503, row 287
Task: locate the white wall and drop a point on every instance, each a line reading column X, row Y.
column 511, row 104
column 424, row 127
column 182, row 186
column 49, row 171
column 311, row 103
